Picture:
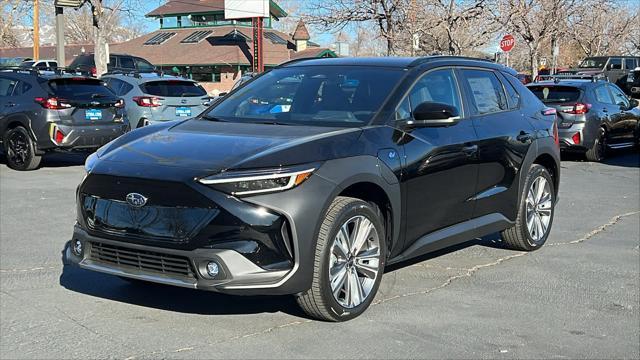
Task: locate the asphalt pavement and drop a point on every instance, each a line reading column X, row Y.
column 577, row 297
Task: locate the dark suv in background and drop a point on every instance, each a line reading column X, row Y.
column 44, row 112
column 85, row 64
column 613, row 68
column 594, row 116
column 314, row 176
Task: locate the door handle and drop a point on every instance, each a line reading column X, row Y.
column 470, row 150
column 523, row 137
column 10, row 104
column 605, row 110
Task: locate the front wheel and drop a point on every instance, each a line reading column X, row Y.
column 349, row 261
column 535, row 214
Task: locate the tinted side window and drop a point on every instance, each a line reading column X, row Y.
column 615, row 64
column 126, row 63
column 602, row 95
column 512, row 95
column 487, row 95
column 53, row 64
column 6, row 86
column 436, row 86
column 630, row 64
column 82, row 60
column 41, row 65
column 619, row 98
column 143, row 65
column 21, row 88
column 403, row 111
column 113, row 61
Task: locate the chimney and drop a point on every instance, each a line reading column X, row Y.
column 301, row 36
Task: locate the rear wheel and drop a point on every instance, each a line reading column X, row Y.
column 598, row 151
column 349, row 261
column 535, row 214
column 20, row 150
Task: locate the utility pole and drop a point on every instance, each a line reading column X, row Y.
column 60, row 36
column 36, row 30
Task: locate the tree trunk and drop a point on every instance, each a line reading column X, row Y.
column 533, row 56
column 100, row 50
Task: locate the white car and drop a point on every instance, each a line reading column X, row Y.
column 40, row 64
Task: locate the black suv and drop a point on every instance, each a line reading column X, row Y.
column 314, row 176
column 593, row 116
column 46, row 111
column 85, row 63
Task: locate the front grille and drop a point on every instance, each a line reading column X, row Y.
column 141, row 259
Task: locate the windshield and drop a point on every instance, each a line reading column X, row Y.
column 594, row 62
column 173, row 88
column 310, row 95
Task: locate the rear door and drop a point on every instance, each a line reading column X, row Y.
column 614, row 70
column 623, row 117
column 180, row 99
column 91, row 101
column 505, row 135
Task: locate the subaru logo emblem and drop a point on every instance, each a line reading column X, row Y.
column 183, row 101
column 94, row 103
column 135, row 199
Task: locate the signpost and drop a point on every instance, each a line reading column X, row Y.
column 506, row 44
column 254, row 10
column 59, row 6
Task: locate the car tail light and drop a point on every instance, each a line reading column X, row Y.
column 52, row 103
column 93, row 71
column 147, row 101
column 578, row 109
column 119, row 104
column 576, row 138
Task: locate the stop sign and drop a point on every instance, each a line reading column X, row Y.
column 507, row 42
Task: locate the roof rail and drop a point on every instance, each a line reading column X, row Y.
column 134, row 73
column 558, row 77
column 53, row 70
column 425, row 59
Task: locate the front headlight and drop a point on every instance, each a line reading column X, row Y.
column 258, row 181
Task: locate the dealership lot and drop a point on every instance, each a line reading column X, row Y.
column 577, row 297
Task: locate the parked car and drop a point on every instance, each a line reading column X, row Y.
column 614, row 68
column 40, row 113
column 524, row 78
column 39, row 64
column 374, row 161
column 593, row 116
column 85, row 63
column 154, row 97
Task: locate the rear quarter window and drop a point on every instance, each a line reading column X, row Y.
column 173, row 88
column 555, row 94
column 79, row 88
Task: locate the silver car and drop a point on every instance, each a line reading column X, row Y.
column 154, row 97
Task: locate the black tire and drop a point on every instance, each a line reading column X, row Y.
column 319, row 301
column 598, row 152
column 518, row 236
column 20, row 150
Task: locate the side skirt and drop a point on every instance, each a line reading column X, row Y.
column 453, row 235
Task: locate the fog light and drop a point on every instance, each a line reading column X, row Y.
column 212, row 268
column 77, row 247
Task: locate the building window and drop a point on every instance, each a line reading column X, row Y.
column 169, row 22
column 206, row 73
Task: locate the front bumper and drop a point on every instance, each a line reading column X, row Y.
column 184, row 268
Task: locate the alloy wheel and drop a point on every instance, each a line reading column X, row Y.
column 539, row 206
column 18, row 148
column 354, row 262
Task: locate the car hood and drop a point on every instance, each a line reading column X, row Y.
column 211, row 147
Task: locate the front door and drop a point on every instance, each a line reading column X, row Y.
column 440, row 173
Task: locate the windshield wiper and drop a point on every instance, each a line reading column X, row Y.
column 211, row 118
column 269, row 123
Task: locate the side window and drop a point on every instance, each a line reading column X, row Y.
column 53, row 64
column 403, row 112
column 113, row 84
column 512, row 95
column 6, row 86
column 619, row 98
column 113, row 61
column 615, row 64
column 41, row 65
column 602, row 95
column 125, row 88
column 629, row 64
column 143, row 65
column 21, row 88
column 126, row 63
column 436, row 86
column 487, row 95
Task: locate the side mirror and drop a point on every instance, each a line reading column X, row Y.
column 432, row 114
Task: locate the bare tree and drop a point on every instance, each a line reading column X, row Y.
column 79, row 28
column 533, row 21
column 13, row 14
column 389, row 16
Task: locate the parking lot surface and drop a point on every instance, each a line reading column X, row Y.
column 577, row 297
